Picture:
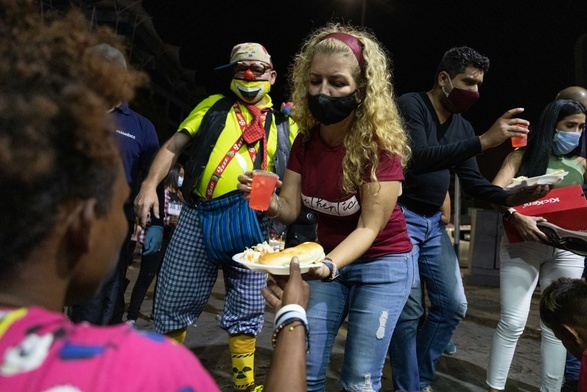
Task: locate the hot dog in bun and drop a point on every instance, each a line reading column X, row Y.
column 306, row 252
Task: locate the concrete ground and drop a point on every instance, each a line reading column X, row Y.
column 463, row 371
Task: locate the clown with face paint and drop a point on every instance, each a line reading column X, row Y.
column 204, row 240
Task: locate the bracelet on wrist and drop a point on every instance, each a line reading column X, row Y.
column 290, row 311
column 278, row 212
column 509, row 213
column 334, row 272
column 291, row 327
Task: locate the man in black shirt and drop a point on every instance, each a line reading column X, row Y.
column 443, row 141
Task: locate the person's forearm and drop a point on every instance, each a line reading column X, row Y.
column 288, row 366
column 287, row 206
column 166, row 158
column 282, row 210
column 500, row 208
column 353, row 246
column 161, row 165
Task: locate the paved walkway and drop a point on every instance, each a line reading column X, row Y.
column 464, row 371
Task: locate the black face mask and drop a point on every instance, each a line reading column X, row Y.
column 331, row 110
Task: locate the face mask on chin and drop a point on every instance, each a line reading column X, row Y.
column 460, row 100
column 331, row 110
column 565, row 142
column 250, row 91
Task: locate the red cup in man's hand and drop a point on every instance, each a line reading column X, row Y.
column 520, row 141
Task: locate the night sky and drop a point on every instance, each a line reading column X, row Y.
column 531, row 44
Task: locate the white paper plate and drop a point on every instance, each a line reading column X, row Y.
column 547, row 179
column 270, row 269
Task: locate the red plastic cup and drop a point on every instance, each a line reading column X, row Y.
column 520, row 141
column 262, row 187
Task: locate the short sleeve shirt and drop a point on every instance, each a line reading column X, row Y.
column 43, row 351
column 338, row 213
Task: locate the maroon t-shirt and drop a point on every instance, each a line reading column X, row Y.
column 338, row 214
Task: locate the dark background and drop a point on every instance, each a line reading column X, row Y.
column 535, row 47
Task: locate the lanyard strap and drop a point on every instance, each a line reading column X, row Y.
column 234, row 148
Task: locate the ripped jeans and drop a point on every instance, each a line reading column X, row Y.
column 372, row 293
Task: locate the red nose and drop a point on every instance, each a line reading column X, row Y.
column 249, row 75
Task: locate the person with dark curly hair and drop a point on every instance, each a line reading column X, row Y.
column 63, row 221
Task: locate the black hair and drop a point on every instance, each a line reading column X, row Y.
column 564, row 302
column 456, row 60
column 539, row 149
column 170, row 181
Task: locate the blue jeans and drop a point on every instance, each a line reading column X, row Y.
column 572, row 368
column 372, row 293
column 414, row 354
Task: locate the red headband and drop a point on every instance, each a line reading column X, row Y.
column 353, row 43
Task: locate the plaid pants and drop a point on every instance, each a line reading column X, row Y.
column 188, row 275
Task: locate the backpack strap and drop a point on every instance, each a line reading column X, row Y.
column 211, row 127
column 283, row 144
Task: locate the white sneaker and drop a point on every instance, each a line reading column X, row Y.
column 427, row 388
column 131, row 322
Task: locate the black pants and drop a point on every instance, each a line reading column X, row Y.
column 107, row 307
column 150, row 265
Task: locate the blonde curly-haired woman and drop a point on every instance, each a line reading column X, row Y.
column 346, row 165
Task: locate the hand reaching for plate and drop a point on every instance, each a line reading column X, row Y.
column 527, row 194
column 285, row 290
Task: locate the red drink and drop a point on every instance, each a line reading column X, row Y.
column 520, row 141
column 262, row 189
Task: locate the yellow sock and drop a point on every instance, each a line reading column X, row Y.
column 178, row 335
column 242, row 353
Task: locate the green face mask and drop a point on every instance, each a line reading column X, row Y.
column 250, row 91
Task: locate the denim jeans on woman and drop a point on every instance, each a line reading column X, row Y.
column 372, row 293
column 414, row 353
column 523, row 265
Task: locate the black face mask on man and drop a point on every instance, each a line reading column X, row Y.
column 331, row 110
column 460, row 100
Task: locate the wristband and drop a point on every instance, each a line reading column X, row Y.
column 280, row 327
column 290, row 311
column 333, row 269
column 509, row 213
column 290, row 315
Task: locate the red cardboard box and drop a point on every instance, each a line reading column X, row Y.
column 565, row 207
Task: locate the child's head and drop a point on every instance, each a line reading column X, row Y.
column 563, row 308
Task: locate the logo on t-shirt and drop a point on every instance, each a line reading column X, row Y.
column 347, row 207
column 126, row 134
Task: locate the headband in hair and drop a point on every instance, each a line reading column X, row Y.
column 353, row 43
